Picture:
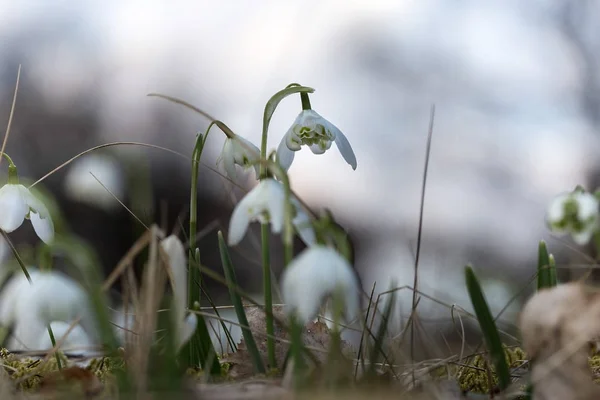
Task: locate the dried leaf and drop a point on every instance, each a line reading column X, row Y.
column 557, row 325
column 89, row 383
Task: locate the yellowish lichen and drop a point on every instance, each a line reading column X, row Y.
column 28, row 372
column 474, row 376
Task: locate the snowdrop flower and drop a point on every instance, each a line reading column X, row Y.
column 266, row 203
column 18, row 203
column 575, row 213
column 77, row 338
column 241, row 152
column 80, row 184
column 314, row 131
column 50, row 299
column 317, row 272
column 185, row 326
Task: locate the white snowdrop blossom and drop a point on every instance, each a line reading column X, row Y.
column 80, row 185
column 266, row 203
column 76, row 338
column 18, row 203
column 574, row 213
column 185, row 326
column 50, row 299
column 313, row 275
column 239, row 151
column 312, row 130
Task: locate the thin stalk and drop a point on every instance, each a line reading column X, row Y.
column 251, row 346
column 268, row 297
column 200, row 345
column 297, row 352
column 288, row 227
column 415, row 298
column 45, row 261
column 216, row 310
column 17, row 256
column 53, row 341
column 268, row 294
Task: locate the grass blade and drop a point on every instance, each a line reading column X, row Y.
column 488, row 328
column 239, row 307
column 381, row 331
column 544, row 270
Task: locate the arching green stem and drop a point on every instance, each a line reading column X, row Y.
column 200, row 347
column 264, row 229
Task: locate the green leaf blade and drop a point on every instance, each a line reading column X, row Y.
column 488, row 328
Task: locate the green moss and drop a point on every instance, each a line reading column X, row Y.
column 28, row 372
column 594, row 362
column 473, row 377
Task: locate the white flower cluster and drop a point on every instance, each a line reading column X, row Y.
column 55, row 300
column 319, row 271
column 50, row 299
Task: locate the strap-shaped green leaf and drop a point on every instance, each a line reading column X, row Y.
column 239, row 307
column 546, row 276
column 488, row 328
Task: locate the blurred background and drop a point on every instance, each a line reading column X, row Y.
column 515, row 85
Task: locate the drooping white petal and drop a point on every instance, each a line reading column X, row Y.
column 266, row 198
column 314, row 274
column 173, row 247
column 13, row 207
column 345, row 149
column 39, row 215
column 238, row 225
column 81, row 185
column 556, row 209
column 582, row 238
column 43, row 227
column 275, row 195
column 228, row 159
column 285, row 156
column 187, row 329
column 587, row 206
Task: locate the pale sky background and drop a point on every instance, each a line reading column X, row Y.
column 508, row 131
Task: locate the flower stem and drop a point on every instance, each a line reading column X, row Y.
column 16, row 255
column 297, row 349
column 53, row 341
column 13, row 176
column 305, row 101
column 200, row 346
column 288, row 227
column 596, row 240
column 268, row 113
column 266, row 257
